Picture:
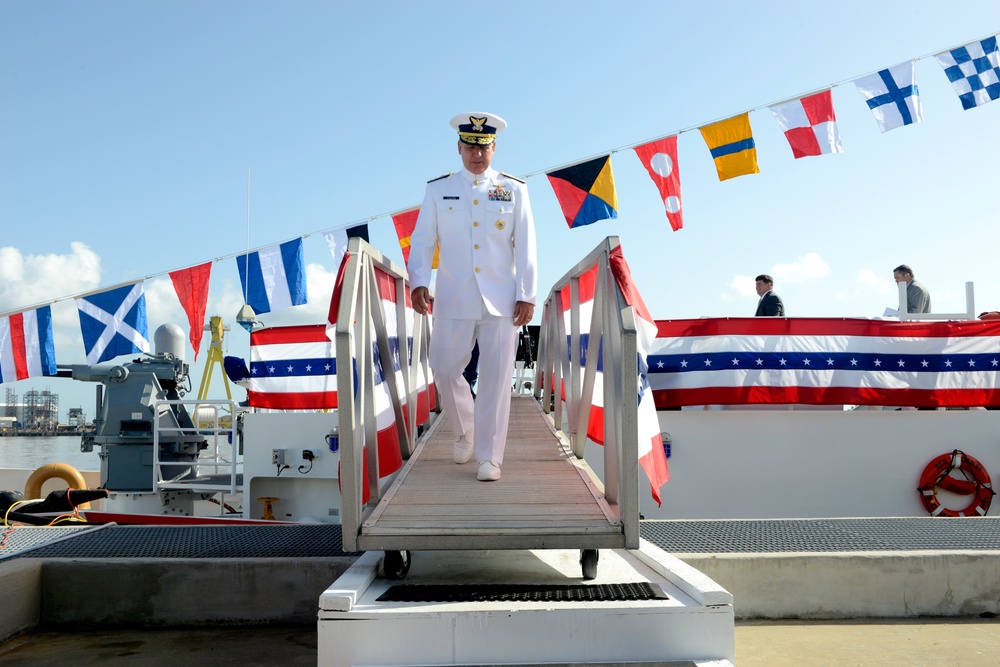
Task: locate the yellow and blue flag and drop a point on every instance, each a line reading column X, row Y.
column 732, row 146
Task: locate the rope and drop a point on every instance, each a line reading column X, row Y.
column 378, row 216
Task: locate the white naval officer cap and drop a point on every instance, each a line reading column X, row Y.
column 478, row 128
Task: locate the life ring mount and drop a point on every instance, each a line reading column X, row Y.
column 973, row 480
column 63, row 471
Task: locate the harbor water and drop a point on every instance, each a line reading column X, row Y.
column 30, row 453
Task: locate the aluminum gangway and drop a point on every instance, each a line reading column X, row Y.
column 548, row 497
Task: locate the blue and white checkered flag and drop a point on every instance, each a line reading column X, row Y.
column 892, row 96
column 974, row 71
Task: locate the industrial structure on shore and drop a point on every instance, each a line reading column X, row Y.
column 37, row 413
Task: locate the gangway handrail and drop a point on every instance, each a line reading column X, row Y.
column 161, row 481
column 613, row 326
column 360, row 331
column 969, row 314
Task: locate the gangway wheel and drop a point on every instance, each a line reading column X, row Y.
column 588, row 559
column 396, row 564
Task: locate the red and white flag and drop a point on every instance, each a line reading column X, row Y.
column 651, row 455
column 292, row 368
column 425, row 385
column 652, row 458
column 809, row 124
column 660, row 160
column 295, row 368
column 586, row 286
column 818, row 361
column 26, row 347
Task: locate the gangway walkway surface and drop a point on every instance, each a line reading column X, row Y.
column 546, row 498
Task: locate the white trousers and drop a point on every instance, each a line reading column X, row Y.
column 449, row 354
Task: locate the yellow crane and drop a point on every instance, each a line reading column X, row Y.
column 215, row 359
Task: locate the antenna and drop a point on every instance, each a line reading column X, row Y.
column 246, row 318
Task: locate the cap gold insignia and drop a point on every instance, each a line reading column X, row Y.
column 501, row 224
column 477, row 123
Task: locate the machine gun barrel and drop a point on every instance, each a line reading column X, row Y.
column 96, row 373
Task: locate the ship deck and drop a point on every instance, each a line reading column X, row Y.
column 717, row 537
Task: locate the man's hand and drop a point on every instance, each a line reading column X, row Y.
column 523, row 312
column 421, row 298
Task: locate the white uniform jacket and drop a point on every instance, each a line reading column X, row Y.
column 486, row 232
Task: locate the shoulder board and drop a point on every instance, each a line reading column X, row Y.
column 440, row 177
column 513, row 178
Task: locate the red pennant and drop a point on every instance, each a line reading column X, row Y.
column 660, row 160
column 191, row 285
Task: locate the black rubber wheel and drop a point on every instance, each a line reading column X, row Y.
column 588, row 559
column 396, row 564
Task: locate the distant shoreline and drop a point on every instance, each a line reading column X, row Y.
column 43, row 433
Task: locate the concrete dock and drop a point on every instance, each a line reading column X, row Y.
column 213, row 596
column 849, row 643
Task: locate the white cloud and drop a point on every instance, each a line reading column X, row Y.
column 162, row 305
column 866, row 284
column 740, row 288
column 33, row 279
column 806, row 268
column 869, row 280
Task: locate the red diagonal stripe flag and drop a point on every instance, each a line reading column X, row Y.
column 404, row 223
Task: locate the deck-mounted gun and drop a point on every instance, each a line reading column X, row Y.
column 127, row 411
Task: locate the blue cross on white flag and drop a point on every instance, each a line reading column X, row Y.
column 277, row 276
column 892, row 96
column 113, row 323
column 974, row 71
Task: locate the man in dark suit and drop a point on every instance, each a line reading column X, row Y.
column 770, row 304
column 918, row 299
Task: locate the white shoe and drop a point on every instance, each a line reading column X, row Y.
column 488, row 471
column 463, row 448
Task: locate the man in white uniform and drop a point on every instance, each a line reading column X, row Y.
column 486, row 282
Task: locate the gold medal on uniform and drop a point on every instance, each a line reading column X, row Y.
column 501, row 224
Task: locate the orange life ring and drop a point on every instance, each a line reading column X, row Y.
column 976, row 483
column 63, row 471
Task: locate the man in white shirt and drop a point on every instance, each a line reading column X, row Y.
column 486, row 282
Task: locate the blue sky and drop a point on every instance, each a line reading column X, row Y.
column 127, row 130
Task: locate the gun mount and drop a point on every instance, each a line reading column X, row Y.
column 127, row 412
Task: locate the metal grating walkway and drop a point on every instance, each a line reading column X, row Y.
column 549, row 593
column 285, row 541
column 324, row 541
column 825, row 535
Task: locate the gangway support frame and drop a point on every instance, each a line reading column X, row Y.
column 398, row 517
column 692, row 623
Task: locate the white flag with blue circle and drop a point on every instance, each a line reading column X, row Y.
column 113, row 323
column 274, row 277
column 892, row 96
column 974, row 71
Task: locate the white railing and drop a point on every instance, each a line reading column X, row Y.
column 558, row 370
column 969, row 314
column 221, row 458
column 360, row 329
